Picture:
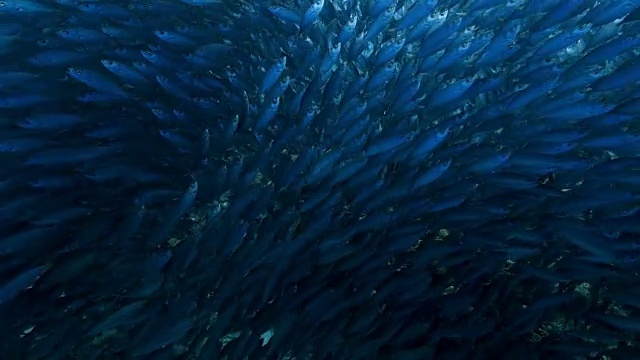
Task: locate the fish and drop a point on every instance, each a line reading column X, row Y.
column 327, row 179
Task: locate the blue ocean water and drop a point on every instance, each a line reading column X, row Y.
column 326, row 179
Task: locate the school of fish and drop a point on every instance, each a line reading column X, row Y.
column 320, row 179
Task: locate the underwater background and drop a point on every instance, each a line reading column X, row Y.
column 326, row 179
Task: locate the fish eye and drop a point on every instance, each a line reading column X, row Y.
column 465, row 44
column 433, row 15
column 160, row 32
